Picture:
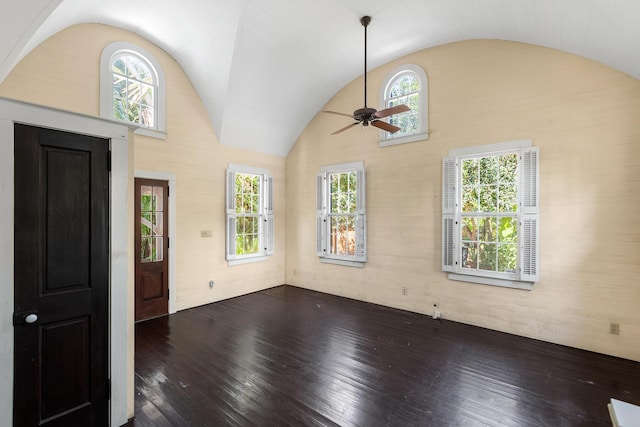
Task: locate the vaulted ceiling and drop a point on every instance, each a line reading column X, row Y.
column 264, row 68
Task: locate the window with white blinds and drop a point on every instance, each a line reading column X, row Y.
column 249, row 207
column 490, row 214
column 341, row 214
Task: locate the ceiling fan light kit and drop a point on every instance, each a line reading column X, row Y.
column 366, row 114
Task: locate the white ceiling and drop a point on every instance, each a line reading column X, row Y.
column 264, row 68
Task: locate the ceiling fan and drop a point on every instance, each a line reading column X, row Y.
column 368, row 115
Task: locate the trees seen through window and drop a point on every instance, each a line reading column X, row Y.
column 407, row 84
column 405, row 89
column 489, row 213
column 134, row 90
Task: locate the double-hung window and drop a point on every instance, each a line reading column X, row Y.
column 341, row 214
column 249, row 214
column 490, row 214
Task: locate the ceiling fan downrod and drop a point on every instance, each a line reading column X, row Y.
column 368, row 115
column 365, row 20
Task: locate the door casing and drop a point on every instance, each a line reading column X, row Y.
column 121, row 273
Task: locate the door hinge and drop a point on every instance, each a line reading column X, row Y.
column 109, row 388
column 168, row 243
column 109, row 161
column 168, row 190
column 168, row 293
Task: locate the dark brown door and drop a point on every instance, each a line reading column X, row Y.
column 151, row 248
column 61, row 279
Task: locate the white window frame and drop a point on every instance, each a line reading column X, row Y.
column 159, row 130
column 386, row 138
column 323, row 196
column 265, row 215
column 527, row 271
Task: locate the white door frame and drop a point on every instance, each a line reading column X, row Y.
column 120, row 315
column 171, row 177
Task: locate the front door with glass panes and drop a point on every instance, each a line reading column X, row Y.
column 151, row 248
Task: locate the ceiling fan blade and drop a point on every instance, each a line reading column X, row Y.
column 347, row 127
column 385, row 126
column 339, row 114
column 391, row 111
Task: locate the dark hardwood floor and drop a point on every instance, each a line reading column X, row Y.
column 293, row 357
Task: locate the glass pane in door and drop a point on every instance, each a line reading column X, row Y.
column 151, row 223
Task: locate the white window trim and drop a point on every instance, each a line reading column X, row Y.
column 423, row 131
column 266, row 215
column 106, row 88
column 322, row 213
column 356, row 264
column 528, row 218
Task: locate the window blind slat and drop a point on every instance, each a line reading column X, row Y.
column 268, row 194
column 361, row 238
column 448, row 185
column 529, row 248
column 321, row 235
column 231, row 237
column 268, row 235
column 231, row 192
column 448, row 245
column 530, row 180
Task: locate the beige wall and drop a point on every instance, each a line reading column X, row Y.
column 585, row 118
column 63, row 73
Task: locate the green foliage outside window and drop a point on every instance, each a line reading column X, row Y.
column 489, row 228
column 133, row 91
column 151, row 224
column 342, row 212
column 405, row 90
column 247, row 189
column 343, row 192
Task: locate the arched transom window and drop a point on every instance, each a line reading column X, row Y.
column 406, row 85
column 132, row 88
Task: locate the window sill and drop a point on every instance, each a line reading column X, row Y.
column 248, row 260
column 404, row 139
column 513, row 284
column 158, row 134
column 343, row 262
column 139, row 130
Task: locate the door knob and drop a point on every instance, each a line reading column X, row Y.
column 31, row 318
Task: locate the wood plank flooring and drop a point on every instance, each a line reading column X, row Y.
column 294, row 357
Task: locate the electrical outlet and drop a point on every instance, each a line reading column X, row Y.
column 614, row 328
column 436, row 313
column 211, row 283
column 405, row 291
column 206, row 233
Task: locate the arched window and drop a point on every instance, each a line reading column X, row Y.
column 406, row 84
column 132, row 88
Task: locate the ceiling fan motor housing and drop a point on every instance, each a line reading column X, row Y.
column 364, row 115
